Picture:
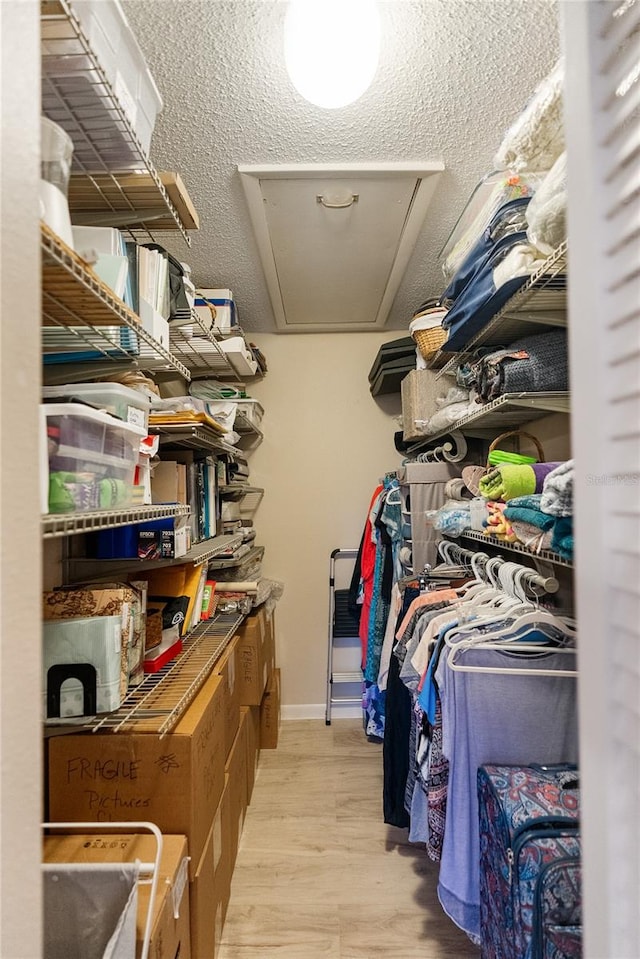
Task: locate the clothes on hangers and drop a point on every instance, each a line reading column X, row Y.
column 494, row 718
column 455, row 721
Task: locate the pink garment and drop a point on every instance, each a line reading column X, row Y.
column 367, row 568
column 427, row 599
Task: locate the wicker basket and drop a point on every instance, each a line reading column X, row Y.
column 429, row 341
column 426, row 330
column 472, row 475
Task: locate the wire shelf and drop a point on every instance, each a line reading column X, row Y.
column 545, row 554
column 198, row 555
column 65, row 524
column 510, row 410
column 77, row 95
column 539, row 305
column 236, row 491
column 254, row 555
column 82, row 316
column 199, row 349
column 157, row 705
column 193, row 438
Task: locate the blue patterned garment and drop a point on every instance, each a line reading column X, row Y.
column 378, row 614
column 373, row 703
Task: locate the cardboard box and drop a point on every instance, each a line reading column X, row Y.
column 270, row 713
column 253, row 666
column 201, row 901
column 269, row 641
column 234, row 811
column 175, row 781
column 169, row 482
column 170, row 934
column 228, row 669
column 253, row 745
column 209, row 893
column 224, row 854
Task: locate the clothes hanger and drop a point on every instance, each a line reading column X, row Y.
column 509, row 670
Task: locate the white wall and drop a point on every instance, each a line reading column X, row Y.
column 327, row 441
column 20, row 671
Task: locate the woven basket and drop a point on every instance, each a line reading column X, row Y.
column 536, row 442
column 429, row 341
column 472, row 475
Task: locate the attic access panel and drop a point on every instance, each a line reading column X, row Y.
column 335, row 240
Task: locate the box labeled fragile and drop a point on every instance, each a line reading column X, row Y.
column 175, row 781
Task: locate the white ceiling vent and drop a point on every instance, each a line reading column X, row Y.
column 335, row 240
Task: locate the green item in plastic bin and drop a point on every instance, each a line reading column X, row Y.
column 496, row 457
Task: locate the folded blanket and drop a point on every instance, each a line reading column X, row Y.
column 562, row 538
column 531, row 536
column 531, row 364
column 532, row 516
column 528, row 502
column 508, row 481
column 557, row 493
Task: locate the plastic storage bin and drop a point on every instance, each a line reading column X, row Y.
column 128, row 405
column 56, row 152
column 81, row 666
column 88, row 459
column 252, row 410
column 117, row 52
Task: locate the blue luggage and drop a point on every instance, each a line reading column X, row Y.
column 530, row 904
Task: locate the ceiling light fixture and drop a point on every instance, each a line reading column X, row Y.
column 331, row 49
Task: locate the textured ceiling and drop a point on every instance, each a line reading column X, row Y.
column 453, row 75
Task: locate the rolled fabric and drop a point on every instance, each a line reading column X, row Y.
column 456, row 489
column 507, row 481
column 542, row 470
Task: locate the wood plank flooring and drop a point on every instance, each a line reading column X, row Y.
column 319, row 875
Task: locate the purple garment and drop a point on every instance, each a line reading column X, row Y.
column 541, row 471
column 494, row 718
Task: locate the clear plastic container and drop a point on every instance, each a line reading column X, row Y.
column 252, row 409
column 493, row 190
column 119, row 55
column 128, row 405
column 56, row 153
column 89, row 459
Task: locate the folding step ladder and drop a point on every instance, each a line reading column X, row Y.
column 343, row 626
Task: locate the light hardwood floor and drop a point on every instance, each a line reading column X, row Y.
column 319, row 875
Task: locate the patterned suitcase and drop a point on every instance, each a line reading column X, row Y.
column 528, row 826
column 557, row 915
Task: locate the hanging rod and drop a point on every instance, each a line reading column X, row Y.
column 484, row 565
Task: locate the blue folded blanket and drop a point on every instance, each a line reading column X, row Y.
column 562, row 537
column 528, row 502
column 534, row 517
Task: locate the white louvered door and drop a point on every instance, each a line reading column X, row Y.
column 602, row 114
